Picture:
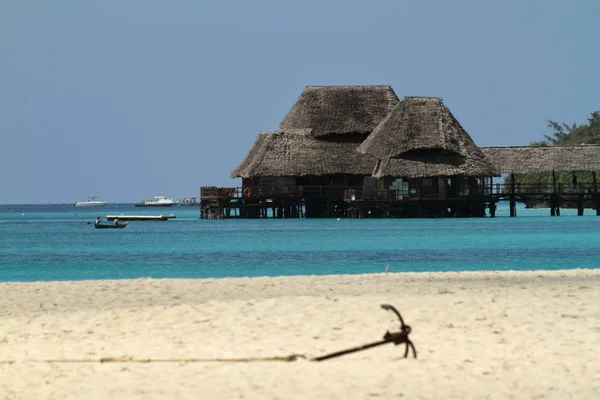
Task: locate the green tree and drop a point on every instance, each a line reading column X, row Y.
column 573, row 135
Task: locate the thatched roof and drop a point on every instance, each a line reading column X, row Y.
column 417, row 124
column 421, row 165
column 526, row 159
column 338, row 110
column 423, row 130
column 299, row 153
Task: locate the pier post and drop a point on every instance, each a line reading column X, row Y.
column 294, row 211
column 493, row 209
column 554, row 198
column 513, row 207
column 555, row 205
column 512, row 196
column 580, row 204
column 595, row 195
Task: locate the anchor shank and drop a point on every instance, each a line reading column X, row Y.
column 353, row 350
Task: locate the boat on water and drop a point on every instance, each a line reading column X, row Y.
column 99, row 225
column 157, row 201
column 91, row 202
column 160, row 217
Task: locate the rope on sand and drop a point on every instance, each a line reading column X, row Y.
column 289, row 358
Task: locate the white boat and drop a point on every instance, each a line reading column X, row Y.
column 121, row 217
column 157, row 201
column 91, row 202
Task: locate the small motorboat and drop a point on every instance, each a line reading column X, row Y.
column 158, row 201
column 99, row 225
column 91, row 202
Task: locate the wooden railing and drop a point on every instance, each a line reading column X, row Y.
column 351, row 193
column 542, row 188
column 213, row 191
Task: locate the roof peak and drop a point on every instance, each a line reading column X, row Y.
column 423, row 98
column 422, row 125
column 349, row 86
column 340, row 109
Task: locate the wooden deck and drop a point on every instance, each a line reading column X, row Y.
column 354, row 202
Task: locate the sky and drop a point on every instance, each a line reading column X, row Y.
column 128, row 99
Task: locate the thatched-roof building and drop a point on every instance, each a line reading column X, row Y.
column 364, row 141
column 528, row 159
column 361, row 151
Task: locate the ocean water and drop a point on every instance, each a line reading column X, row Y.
column 54, row 242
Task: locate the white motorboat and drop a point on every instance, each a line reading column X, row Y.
column 157, row 201
column 91, row 202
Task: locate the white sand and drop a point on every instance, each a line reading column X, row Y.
column 495, row 335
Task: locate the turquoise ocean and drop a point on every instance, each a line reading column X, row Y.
column 55, row 242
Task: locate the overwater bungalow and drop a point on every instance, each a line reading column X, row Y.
column 360, row 151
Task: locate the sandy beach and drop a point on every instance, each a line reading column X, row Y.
column 483, row 335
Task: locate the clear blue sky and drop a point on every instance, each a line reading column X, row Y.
column 130, row 99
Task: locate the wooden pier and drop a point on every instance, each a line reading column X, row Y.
column 555, row 195
column 333, row 202
column 362, row 152
column 345, row 202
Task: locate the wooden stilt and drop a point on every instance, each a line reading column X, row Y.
column 596, row 197
column 493, row 209
column 513, row 196
column 555, row 201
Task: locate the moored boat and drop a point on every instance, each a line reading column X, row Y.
column 160, row 217
column 91, row 202
column 157, row 201
column 108, row 226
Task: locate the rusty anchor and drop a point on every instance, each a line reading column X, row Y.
column 389, row 337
